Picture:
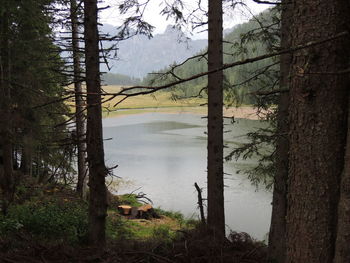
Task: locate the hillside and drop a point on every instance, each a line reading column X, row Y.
column 138, row 56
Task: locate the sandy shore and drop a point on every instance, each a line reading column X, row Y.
column 245, row 112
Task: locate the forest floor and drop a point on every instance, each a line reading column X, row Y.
column 48, row 223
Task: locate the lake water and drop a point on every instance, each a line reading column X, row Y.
column 165, row 154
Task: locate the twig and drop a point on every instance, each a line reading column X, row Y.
column 266, row 93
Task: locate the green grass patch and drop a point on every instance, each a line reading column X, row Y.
column 149, row 103
column 119, row 228
column 172, row 214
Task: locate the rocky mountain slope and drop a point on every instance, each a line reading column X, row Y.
column 138, row 56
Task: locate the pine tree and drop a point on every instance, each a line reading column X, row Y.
column 94, row 136
column 216, row 212
column 79, row 100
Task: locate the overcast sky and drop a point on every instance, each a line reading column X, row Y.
column 152, row 14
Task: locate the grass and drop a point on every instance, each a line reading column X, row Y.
column 160, row 101
column 155, row 100
column 164, row 229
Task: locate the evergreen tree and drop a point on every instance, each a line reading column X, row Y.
column 38, row 134
column 79, row 100
column 94, row 136
column 216, row 212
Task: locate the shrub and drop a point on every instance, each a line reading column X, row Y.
column 162, row 232
column 54, row 219
column 118, row 228
column 8, row 225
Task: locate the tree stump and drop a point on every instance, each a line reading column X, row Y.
column 146, row 212
column 124, row 209
column 143, row 212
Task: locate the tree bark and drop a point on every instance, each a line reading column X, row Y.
column 216, row 213
column 277, row 234
column 95, row 151
column 342, row 251
column 79, row 102
column 317, row 119
column 5, row 114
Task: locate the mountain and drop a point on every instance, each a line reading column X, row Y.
column 138, row 56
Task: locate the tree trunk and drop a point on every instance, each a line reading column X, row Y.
column 5, row 114
column 317, row 119
column 342, row 251
column 95, row 151
column 79, row 102
column 216, row 213
column 277, row 235
column 27, row 153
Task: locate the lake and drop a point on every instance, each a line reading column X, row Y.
column 165, row 154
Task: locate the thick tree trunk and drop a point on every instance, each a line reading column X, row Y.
column 277, row 235
column 5, row 114
column 317, row 118
column 342, row 250
column 95, row 151
column 79, row 102
column 216, row 213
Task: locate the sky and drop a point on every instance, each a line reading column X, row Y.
column 152, row 14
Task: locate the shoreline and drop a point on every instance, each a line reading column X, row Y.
column 242, row 112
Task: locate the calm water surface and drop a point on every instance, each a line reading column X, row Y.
column 165, row 154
